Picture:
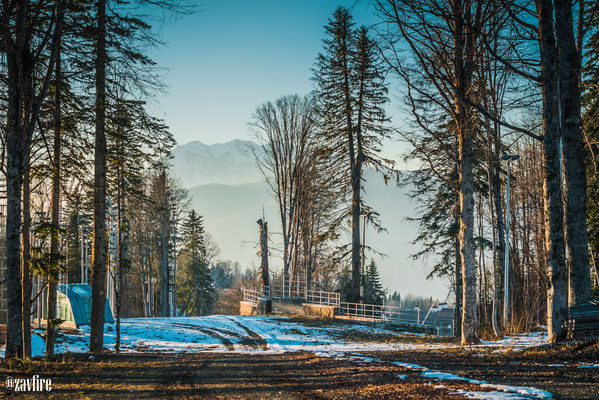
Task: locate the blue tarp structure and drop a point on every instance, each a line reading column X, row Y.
column 75, row 304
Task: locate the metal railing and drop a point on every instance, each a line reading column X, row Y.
column 250, row 296
column 324, row 298
column 288, row 287
column 436, row 321
column 371, row 312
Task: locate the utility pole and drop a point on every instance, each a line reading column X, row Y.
column 506, row 285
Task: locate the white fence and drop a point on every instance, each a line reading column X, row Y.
column 324, row 298
column 311, row 296
column 439, row 321
column 250, row 296
column 282, row 286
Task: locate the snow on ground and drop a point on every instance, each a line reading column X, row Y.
column 250, row 334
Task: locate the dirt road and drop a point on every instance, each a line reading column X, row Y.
column 224, row 376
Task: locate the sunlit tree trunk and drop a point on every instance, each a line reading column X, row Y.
column 573, row 151
column 557, row 297
column 99, row 244
column 54, row 249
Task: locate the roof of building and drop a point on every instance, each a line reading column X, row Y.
column 79, row 295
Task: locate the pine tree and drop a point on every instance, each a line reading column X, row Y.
column 373, row 289
column 196, row 288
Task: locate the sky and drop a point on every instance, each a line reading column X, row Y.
column 233, row 55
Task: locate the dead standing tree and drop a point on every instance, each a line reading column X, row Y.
column 264, row 252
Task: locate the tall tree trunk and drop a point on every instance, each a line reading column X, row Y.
column 494, row 224
column 469, row 318
column 26, row 276
column 19, row 130
column 463, row 72
column 119, row 273
column 496, row 184
column 557, row 296
column 459, row 292
column 99, row 245
column 54, row 250
column 356, row 282
column 573, row 152
column 356, row 259
column 15, row 139
column 164, row 275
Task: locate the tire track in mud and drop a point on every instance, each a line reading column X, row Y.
column 214, row 332
column 255, row 340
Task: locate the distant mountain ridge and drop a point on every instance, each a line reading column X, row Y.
column 230, row 163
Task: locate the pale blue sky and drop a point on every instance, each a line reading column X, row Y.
column 235, row 54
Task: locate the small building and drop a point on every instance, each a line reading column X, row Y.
column 74, row 302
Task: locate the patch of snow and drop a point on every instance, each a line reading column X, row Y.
column 410, row 366
column 535, row 393
column 402, row 376
column 490, row 395
column 588, row 365
column 448, row 376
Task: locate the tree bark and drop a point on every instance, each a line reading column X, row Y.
column 99, row 245
column 573, row 153
column 118, row 282
column 26, row 277
column 54, row 250
column 164, row 275
column 459, row 292
column 492, row 162
column 557, row 297
column 496, row 183
column 463, row 60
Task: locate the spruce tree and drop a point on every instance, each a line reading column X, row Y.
column 196, row 289
column 373, row 289
column 350, row 97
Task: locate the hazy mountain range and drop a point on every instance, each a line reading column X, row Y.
column 231, row 163
column 227, row 188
